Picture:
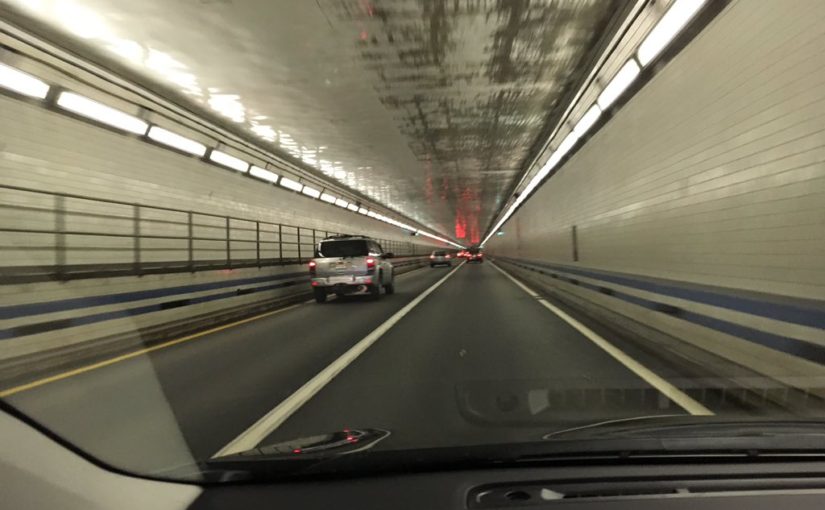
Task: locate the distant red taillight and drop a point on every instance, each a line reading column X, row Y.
column 446, row 256
column 370, row 263
column 312, row 266
column 432, row 256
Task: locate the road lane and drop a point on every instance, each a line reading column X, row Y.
column 153, row 410
column 478, row 361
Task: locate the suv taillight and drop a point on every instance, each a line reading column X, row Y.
column 312, row 266
column 370, row 265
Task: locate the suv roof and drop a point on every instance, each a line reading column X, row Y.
column 340, row 237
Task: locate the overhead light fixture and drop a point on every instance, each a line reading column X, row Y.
column 362, row 210
column 104, row 114
column 311, row 192
column 626, row 75
column 674, row 20
column 326, row 197
column 176, row 141
column 288, row 183
column 22, row 83
column 263, row 173
column 566, row 144
column 352, row 207
column 342, row 203
column 228, row 161
column 372, row 214
column 587, row 120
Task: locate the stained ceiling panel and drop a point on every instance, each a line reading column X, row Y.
column 430, row 107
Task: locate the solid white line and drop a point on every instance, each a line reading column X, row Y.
column 670, row 391
column 274, row 418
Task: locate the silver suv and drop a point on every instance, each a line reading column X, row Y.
column 350, row 265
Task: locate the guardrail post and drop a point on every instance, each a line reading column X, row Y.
column 280, row 244
column 299, row 244
column 190, row 244
column 575, row 245
column 258, row 243
column 136, row 237
column 313, row 242
column 60, row 236
column 228, row 245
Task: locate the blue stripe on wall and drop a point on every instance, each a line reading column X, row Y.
column 796, row 314
column 15, row 311
column 6, row 334
column 799, row 348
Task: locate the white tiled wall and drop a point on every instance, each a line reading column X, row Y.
column 713, row 173
column 45, row 150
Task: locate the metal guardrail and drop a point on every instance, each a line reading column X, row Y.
column 70, row 236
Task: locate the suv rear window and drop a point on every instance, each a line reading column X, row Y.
column 354, row 248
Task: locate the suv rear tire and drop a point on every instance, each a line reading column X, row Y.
column 320, row 295
column 375, row 291
column 389, row 288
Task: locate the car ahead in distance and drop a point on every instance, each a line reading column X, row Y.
column 440, row 258
column 345, row 265
column 475, row 256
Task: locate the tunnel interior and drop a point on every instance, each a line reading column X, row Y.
column 566, row 213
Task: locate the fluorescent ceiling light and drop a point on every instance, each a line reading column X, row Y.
column 626, row 75
column 566, row 144
column 587, row 120
column 229, row 161
column 341, row 203
column 353, row 207
column 311, row 192
column 22, row 83
column 96, row 111
column 176, row 141
column 372, row 214
column 288, row 183
column 262, row 173
column 674, row 20
column 326, row 197
column 362, row 210
column 529, row 188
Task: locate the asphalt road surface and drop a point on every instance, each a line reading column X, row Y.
column 478, row 360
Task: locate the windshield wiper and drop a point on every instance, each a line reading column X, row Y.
column 683, row 426
column 605, row 423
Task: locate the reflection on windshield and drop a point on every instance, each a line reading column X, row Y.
column 631, row 223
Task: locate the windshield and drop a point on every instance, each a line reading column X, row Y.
column 436, row 231
column 343, row 249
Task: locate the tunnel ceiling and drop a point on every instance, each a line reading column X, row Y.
column 430, row 107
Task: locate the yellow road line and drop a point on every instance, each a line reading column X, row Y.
column 123, row 357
